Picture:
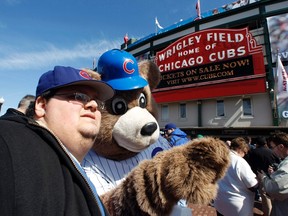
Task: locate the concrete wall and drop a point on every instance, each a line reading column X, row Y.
column 261, row 113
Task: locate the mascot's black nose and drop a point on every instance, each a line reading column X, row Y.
column 148, row 129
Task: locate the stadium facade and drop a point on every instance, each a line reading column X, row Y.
column 219, row 73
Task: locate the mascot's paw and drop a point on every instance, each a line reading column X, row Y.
column 189, row 172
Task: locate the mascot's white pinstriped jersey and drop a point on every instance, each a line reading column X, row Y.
column 106, row 174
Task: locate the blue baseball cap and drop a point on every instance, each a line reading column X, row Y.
column 120, row 70
column 67, row 76
column 170, row 126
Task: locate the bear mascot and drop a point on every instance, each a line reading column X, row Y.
column 134, row 169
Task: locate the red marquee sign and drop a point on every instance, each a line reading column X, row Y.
column 213, row 56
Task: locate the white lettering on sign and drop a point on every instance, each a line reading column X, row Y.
column 285, row 114
column 206, row 47
column 224, row 37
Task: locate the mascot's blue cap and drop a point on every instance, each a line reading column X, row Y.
column 120, row 70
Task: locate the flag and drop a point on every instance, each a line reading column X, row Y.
column 281, row 77
column 198, row 10
column 280, row 93
column 157, row 23
column 1, row 102
column 126, row 38
column 94, row 63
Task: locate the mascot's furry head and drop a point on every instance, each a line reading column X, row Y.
column 129, row 122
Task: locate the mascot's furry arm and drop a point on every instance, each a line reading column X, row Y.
column 190, row 172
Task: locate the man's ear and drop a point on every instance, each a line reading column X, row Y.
column 40, row 107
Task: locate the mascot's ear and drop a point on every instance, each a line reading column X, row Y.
column 94, row 74
column 150, row 71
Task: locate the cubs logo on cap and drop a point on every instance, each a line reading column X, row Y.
column 120, row 70
column 126, row 66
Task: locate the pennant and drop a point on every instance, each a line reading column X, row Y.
column 94, row 63
column 198, row 10
column 1, row 102
column 280, row 92
column 126, row 38
column 281, row 77
column 157, row 23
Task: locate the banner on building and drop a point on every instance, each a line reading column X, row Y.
column 278, row 33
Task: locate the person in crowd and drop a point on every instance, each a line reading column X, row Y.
column 237, row 188
column 25, row 102
column 275, row 182
column 248, row 140
column 228, row 143
column 251, row 145
column 175, row 135
column 199, row 136
column 40, row 157
column 22, row 106
column 261, row 158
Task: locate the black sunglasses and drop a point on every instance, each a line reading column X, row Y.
column 83, row 98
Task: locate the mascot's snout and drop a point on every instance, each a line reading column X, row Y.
column 136, row 130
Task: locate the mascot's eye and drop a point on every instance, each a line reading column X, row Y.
column 119, row 106
column 142, row 101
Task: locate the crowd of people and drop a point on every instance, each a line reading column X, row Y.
column 258, row 171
